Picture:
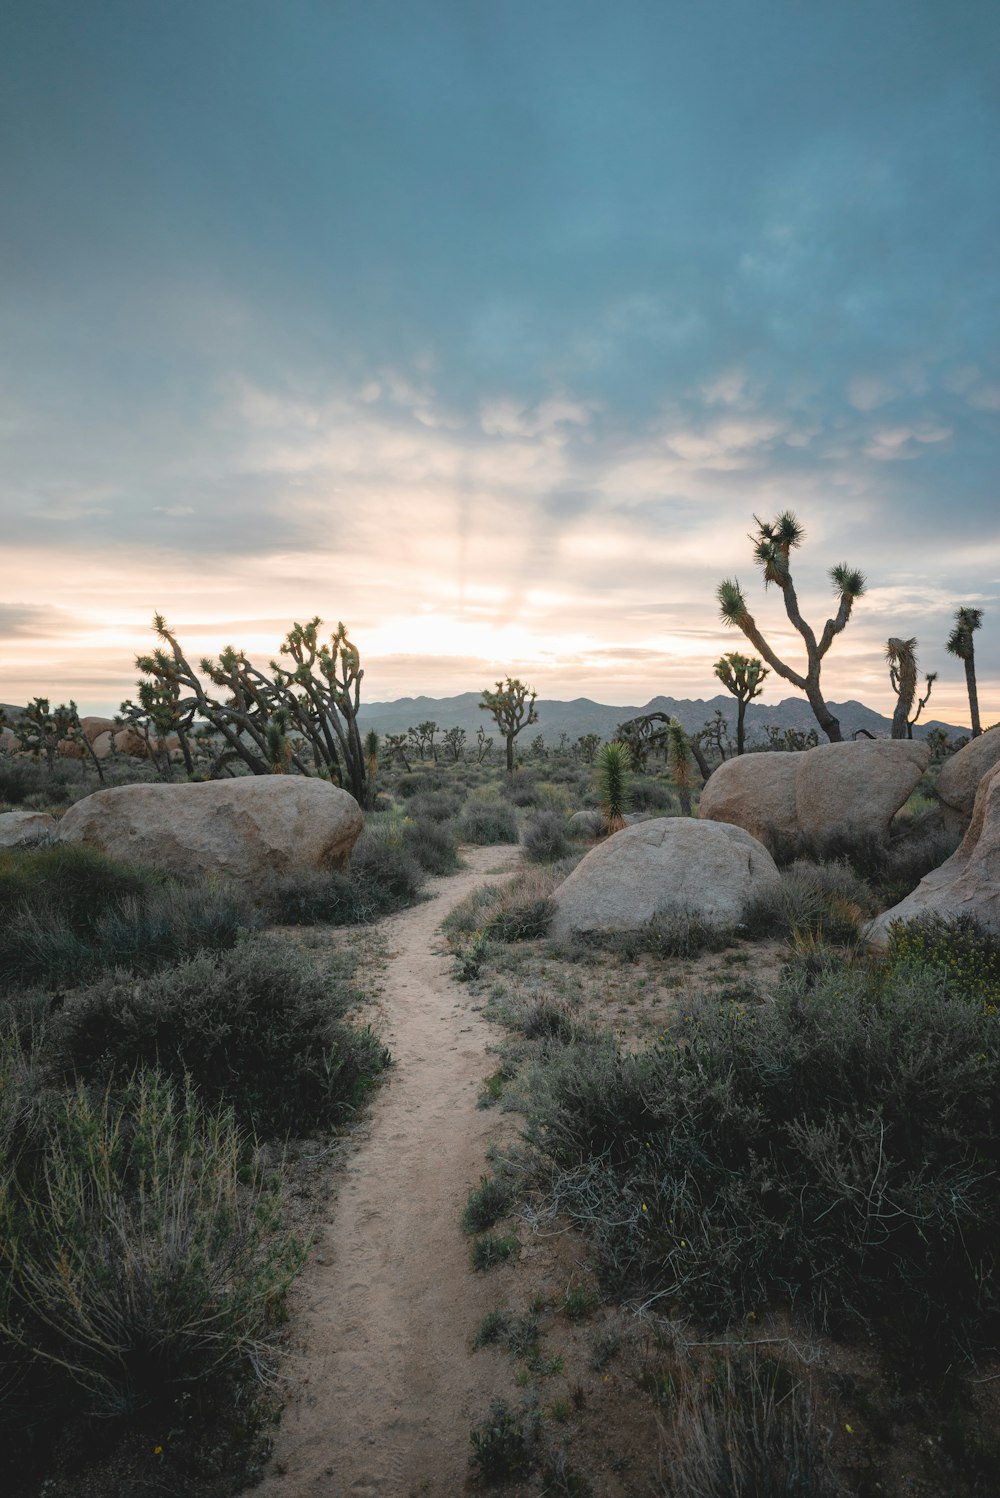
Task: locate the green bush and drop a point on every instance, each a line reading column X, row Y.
column 432, row 844
column 519, row 909
column 829, row 901
column 966, row 954
column 144, row 1253
column 486, row 1204
column 503, row 1444
column 383, row 876
column 258, row 1028
column 839, row 1146
column 546, row 837
column 487, row 822
column 492, row 1249
column 68, row 914
column 647, row 794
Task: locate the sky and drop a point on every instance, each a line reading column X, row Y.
column 488, row 326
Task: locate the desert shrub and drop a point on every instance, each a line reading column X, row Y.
column 259, row 1028
column 434, row 806
column 827, row 900
column 67, row 914
column 503, row 1444
column 492, row 1249
column 145, row 1254
column 518, row 1334
column 518, row 909
column 852, row 1124
column 382, row 876
column 486, row 1204
column 647, row 794
column 965, row 953
column 432, row 844
column 679, row 933
column 891, row 867
column 546, row 837
column 488, row 822
column 746, row 1430
column 520, row 789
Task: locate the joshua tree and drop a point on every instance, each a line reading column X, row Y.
column 319, row 692
column 395, row 748
column 960, row 643
column 680, row 763
column 454, row 742
column 513, row 708
column 715, row 733
column 484, row 744
column 773, row 543
column 588, row 745
column 743, row 675
column 901, row 656
column 613, row 765
column 537, row 748
column 372, row 747
column 41, row 730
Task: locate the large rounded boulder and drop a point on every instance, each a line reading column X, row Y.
column 25, row 829
column 961, row 775
column 707, row 871
column 967, row 883
column 816, row 795
column 248, row 828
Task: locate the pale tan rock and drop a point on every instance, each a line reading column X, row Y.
column 8, row 741
column 755, row 792
column 666, row 866
column 127, row 741
column 835, row 790
column 22, row 829
column 94, row 727
column 248, row 828
column 854, row 789
column 968, row 883
column 960, row 775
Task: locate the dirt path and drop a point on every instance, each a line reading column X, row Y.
column 388, row 1388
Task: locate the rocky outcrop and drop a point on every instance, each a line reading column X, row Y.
column 960, row 775
column 24, row 829
column 968, row 883
column 667, row 866
column 247, row 829
column 816, row 795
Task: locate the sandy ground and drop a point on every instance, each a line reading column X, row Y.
column 385, row 1387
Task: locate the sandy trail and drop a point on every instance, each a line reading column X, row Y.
column 388, row 1388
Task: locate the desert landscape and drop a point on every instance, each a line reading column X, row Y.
column 499, row 749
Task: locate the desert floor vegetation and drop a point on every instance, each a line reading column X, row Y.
column 169, row 1064
column 757, row 1177
column 735, row 1231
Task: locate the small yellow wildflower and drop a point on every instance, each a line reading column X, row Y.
column 157, row 1450
column 849, row 1429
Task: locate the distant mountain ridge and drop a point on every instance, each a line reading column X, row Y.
column 581, row 715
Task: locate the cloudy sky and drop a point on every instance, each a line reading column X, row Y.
column 488, row 325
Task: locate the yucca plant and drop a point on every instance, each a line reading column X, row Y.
column 960, row 643
column 680, row 762
column 614, row 763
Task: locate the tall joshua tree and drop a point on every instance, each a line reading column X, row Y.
column 960, row 643
column 512, row 706
column 901, row 656
column 743, row 675
column 773, row 543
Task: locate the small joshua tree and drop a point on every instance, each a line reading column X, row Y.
column 614, row 761
column 484, row 744
column 680, row 762
column 773, row 544
column 395, row 748
column 743, row 675
column 454, row 743
column 512, row 706
column 901, row 656
column 961, row 644
column 588, row 745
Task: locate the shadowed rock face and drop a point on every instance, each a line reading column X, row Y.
column 968, row 883
column 247, row 829
column 835, row 790
column 23, row 829
column 667, row 866
column 960, row 776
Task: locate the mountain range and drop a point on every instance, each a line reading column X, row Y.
column 581, row 716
